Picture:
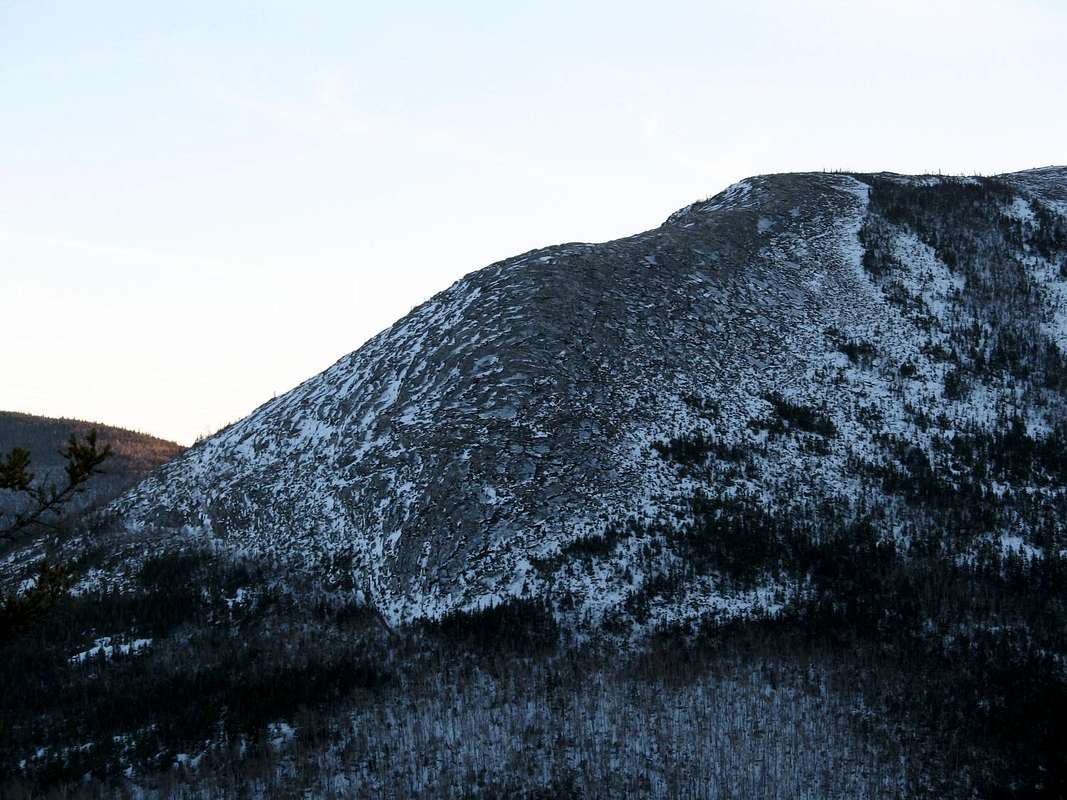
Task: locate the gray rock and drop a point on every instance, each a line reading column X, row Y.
column 515, row 411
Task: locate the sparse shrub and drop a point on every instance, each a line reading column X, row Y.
column 801, row 417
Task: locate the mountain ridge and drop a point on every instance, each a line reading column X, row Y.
column 529, row 406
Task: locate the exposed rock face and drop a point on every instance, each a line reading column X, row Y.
column 518, row 410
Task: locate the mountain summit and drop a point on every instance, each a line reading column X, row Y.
column 672, row 410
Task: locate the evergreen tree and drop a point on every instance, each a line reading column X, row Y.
column 83, row 460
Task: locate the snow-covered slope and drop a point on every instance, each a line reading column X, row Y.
column 798, row 337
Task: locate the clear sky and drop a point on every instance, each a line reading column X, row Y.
column 204, row 203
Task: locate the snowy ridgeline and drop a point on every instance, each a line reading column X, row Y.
column 804, row 341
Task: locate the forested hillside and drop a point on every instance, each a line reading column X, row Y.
column 133, row 455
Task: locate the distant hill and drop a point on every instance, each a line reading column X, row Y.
column 135, row 454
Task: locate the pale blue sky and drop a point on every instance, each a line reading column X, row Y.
column 243, row 192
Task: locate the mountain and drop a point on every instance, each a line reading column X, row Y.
column 134, row 455
column 797, row 348
column 766, row 502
